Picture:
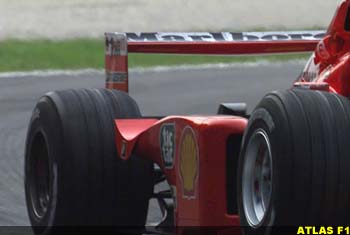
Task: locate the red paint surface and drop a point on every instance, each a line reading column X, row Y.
column 331, row 59
column 117, row 63
column 208, row 208
column 222, row 48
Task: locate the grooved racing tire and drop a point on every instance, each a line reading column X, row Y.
column 73, row 175
column 294, row 164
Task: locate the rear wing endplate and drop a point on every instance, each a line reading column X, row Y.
column 118, row 45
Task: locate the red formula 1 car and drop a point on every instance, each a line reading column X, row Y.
column 92, row 158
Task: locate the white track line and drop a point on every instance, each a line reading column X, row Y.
column 260, row 63
column 47, row 73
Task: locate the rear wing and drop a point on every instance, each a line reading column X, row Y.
column 118, row 45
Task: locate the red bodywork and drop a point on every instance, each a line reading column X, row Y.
column 198, row 175
column 330, row 62
column 221, row 48
column 207, row 206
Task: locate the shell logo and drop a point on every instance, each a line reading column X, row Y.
column 189, row 167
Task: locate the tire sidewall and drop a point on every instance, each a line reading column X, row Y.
column 86, row 171
column 42, row 122
column 261, row 119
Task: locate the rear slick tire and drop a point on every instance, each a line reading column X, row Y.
column 73, row 175
column 294, row 164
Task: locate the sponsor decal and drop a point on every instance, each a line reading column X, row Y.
column 310, row 71
column 36, row 114
column 322, row 50
column 167, row 144
column 116, row 77
column 308, row 76
column 189, row 163
column 226, row 36
column 116, row 44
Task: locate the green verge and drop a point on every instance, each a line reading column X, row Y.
column 26, row 55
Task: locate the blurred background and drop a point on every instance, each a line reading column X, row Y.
column 91, row 18
column 68, row 34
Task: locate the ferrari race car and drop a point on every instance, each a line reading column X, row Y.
column 92, row 159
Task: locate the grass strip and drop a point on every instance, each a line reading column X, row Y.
column 27, row 55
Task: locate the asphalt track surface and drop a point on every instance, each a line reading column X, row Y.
column 158, row 93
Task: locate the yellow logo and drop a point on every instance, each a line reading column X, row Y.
column 189, row 169
column 311, row 230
